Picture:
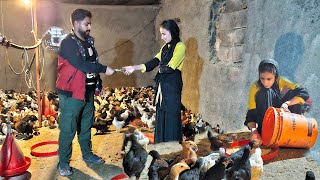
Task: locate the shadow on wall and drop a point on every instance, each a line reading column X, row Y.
column 288, row 52
column 191, row 74
column 123, row 57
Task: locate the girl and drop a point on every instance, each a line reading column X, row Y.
column 272, row 90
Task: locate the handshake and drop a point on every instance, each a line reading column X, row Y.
column 127, row 70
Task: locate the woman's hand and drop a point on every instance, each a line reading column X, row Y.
column 128, row 70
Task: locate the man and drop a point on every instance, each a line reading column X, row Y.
column 77, row 81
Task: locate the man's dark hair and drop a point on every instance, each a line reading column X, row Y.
column 79, row 15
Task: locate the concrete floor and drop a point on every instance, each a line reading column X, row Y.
column 109, row 146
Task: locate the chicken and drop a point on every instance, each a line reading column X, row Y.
column 310, row 175
column 238, row 154
column 215, row 142
column 218, row 171
column 141, row 138
column 201, row 125
column 210, row 160
column 241, row 169
column 193, row 172
column 189, row 149
column 135, row 160
column 101, row 125
column 118, row 124
column 157, row 166
column 189, row 131
column 149, row 118
column 25, row 126
column 256, row 163
column 217, row 129
column 52, row 121
column 188, row 154
column 4, row 128
column 176, row 170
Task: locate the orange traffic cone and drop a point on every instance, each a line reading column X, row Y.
column 12, row 160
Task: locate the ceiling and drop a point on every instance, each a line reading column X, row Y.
column 112, row 2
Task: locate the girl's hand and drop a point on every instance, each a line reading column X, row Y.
column 285, row 106
column 128, row 70
column 256, row 136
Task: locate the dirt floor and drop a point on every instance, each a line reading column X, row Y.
column 289, row 164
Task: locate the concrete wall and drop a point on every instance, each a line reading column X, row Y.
column 213, row 70
column 287, row 31
column 226, row 40
column 124, row 36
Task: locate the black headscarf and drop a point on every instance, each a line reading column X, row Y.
column 174, row 29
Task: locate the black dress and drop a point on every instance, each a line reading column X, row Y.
column 169, row 86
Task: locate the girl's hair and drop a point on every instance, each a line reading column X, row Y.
column 173, row 28
column 269, row 65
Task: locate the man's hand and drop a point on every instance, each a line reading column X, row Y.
column 128, row 70
column 109, row 71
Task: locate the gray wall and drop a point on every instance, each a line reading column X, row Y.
column 214, row 73
column 226, row 40
column 128, row 28
column 287, row 31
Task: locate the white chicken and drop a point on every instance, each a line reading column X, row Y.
column 4, row 128
column 118, row 124
column 141, row 138
column 211, row 159
column 256, row 163
column 148, row 119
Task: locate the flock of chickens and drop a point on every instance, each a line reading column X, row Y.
column 245, row 163
column 132, row 107
column 20, row 111
column 118, row 107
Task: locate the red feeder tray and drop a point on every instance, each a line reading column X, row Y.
column 265, row 157
column 16, row 171
column 122, row 176
column 45, row 154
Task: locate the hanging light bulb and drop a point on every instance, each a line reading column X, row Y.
column 27, row 2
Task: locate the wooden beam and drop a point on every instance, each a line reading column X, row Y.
column 112, row 2
column 35, row 31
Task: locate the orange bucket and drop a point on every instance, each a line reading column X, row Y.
column 287, row 129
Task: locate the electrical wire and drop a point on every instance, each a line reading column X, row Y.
column 145, row 27
column 24, row 62
column 41, row 49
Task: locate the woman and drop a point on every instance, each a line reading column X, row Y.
column 168, row 80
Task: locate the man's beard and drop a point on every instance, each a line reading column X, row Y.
column 84, row 34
